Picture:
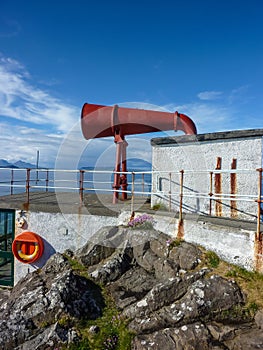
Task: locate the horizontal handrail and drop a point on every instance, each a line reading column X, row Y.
column 139, row 185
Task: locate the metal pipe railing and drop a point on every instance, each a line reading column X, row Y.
column 56, row 179
column 259, row 201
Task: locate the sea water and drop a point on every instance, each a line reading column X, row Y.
column 14, row 181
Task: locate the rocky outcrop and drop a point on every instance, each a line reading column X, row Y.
column 170, row 300
column 30, row 316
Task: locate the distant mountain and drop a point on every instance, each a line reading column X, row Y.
column 19, row 164
column 4, row 164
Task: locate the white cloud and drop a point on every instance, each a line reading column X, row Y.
column 207, row 117
column 31, row 119
column 239, row 95
column 23, row 101
column 209, row 95
column 22, row 143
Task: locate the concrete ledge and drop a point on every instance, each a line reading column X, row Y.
column 216, row 220
column 224, row 135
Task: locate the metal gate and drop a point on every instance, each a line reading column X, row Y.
column 7, row 232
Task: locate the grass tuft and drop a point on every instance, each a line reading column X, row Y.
column 212, row 259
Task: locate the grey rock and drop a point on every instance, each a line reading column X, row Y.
column 42, row 298
column 186, row 255
column 131, row 286
column 48, row 338
column 205, row 298
column 188, row 337
column 94, row 329
column 246, row 337
column 259, row 319
column 112, row 269
column 171, row 302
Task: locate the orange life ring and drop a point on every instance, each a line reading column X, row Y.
column 28, row 247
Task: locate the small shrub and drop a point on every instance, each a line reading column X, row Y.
column 171, row 243
column 159, row 206
column 212, row 259
column 253, row 308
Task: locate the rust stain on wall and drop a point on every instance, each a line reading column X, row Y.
column 218, row 187
column 180, row 232
column 258, row 253
column 233, row 189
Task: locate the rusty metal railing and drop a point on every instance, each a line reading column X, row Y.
column 162, row 185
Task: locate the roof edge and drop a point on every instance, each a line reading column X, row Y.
column 222, row 135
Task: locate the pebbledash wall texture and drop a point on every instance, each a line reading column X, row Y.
column 207, row 160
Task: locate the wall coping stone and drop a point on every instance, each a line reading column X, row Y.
column 214, row 136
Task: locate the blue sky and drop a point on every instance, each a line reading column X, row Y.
column 203, row 58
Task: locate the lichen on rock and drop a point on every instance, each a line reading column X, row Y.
column 169, row 299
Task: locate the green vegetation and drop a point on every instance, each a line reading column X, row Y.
column 251, row 283
column 212, row 259
column 159, row 206
column 172, row 243
column 237, row 314
column 113, row 332
column 77, row 266
column 111, row 329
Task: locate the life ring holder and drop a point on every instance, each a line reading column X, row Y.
column 28, row 247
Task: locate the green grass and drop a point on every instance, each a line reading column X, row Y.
column 212, row 259
column 174, row 243
column 251, row 283
column 113, row 332
column 159, row 206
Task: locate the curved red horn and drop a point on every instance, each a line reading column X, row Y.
column 103, row 121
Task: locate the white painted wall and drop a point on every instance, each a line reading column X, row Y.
column 60, row 232
column 198, row 155
column 72, row 231
column 231, row 244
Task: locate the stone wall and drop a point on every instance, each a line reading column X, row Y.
column 198, row 156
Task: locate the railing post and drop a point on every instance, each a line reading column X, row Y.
column 259, row 202
column 218, row 188
column 116, row 185
column 211, row 193
column 27, row 184
column 47, row 179
column 123, row 177
column 143, row 183
column 181, row 195
column 12, row 182
column 132, row 192
column 81, row 182
column 180, row 232
column 233, row 189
